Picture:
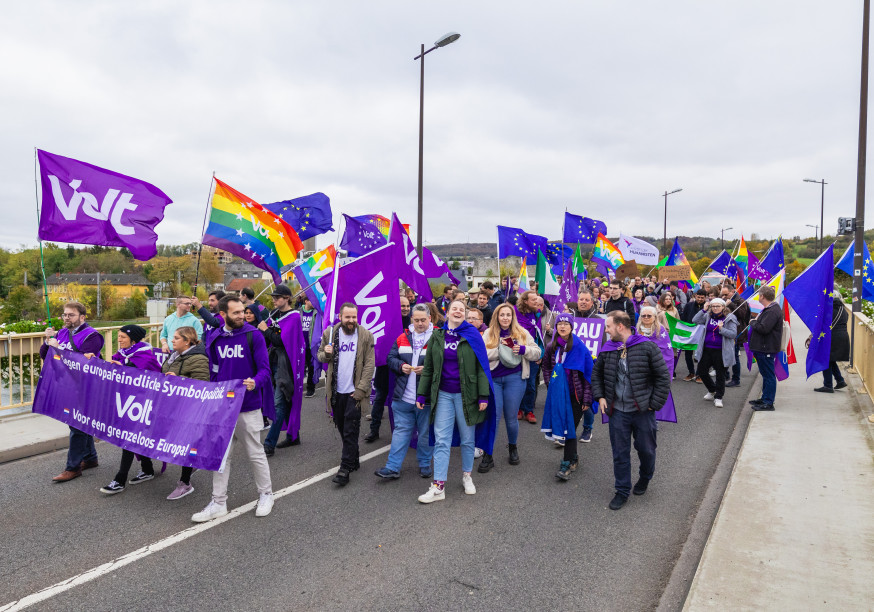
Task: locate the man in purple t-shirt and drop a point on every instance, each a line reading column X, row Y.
column 77, row 336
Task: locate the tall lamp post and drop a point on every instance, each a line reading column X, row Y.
column 821, row 210
column 665, row 240
column 441, row 42
column 815, row 232
column 722, row 237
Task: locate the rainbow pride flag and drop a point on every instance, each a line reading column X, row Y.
column 743, row 256
column 381, row 223
column 241, row 226
column 606, row 253
column 308, row 272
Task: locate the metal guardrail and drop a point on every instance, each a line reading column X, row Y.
column 20, row 363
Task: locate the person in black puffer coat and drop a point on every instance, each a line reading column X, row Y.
column 840, row 349
column 630, row 382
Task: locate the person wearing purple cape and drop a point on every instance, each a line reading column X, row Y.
column 77, row 336
column 132, row 353
column 630, row 382
column 307, row 318
column 457, row 383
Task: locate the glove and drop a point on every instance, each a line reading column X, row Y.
column 358, row 395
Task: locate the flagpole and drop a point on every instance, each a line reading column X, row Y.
column 202, row 232
column 42, row 261
column 498, row 245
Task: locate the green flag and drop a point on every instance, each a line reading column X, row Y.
column 685, row 336
column 579, row 264
column 546, row 283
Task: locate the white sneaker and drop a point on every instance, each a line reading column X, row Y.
column 469, row 487
column 709, row 396
column 718, row 403
column 477, row 453
column 265, row 504
column 433, row 494
column 212, row 511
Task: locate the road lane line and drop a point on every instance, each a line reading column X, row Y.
column 145, row 551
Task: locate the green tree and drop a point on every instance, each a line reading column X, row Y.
column 701, row 265
column 23, row 304
column 107, row 300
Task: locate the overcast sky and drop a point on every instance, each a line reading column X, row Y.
column 597, row 107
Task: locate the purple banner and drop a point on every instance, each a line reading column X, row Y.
column 410, row 270
column 591, row 332
column 178, row 420
column 86, row 204
column 371, row 283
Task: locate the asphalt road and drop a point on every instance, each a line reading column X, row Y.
column 524, row 541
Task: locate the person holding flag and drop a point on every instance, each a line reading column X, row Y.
column 457, row 383
column 717, row 350
column 765, row 333
column 840, row 347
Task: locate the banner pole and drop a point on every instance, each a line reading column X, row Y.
column 202, row 232
column 42, row 261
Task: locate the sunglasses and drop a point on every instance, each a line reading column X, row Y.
column 646, row 316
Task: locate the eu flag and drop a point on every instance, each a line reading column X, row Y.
column 810, row 297
column 846, row 265
column 557, row 253
column 360, row 238
column 308, row 215
column 773, row 260
column 514, row 242
column 582, row 229
column 538, row 243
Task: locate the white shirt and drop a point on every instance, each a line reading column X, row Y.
column 418, row 342
column 346, row 362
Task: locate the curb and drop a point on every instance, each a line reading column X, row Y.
column 680, row 581
column 31, row 450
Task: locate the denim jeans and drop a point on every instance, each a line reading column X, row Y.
column 81, row 449
column 449, row 412
column 588, row 418
column 408, row 419
column 282, row 410
column 509, row 391
column 531, row 385
column 832, row 371
column 765, row 361
column 642, row 425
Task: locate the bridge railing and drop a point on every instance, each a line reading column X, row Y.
column 863, row 350
column 20, row 363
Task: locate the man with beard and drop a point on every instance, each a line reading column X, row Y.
column 630, row 382
column 79, row 337
column 238, row 351
column 348, row 348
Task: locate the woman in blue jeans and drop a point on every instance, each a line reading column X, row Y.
column 511, row 350
column 406, row 360
column 455, row 378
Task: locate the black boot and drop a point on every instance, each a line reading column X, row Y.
column 514, row 454
column 485, row 464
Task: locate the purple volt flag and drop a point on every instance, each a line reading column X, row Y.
column 291, row 332
column 85, row 204
column 755, row 271
column 371, row 283
column 409, row 264
column 182, row 421
column 568, row 291
column 434, row 267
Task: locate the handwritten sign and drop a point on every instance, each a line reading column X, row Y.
column 675, row 273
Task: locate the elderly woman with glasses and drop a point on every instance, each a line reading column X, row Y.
column 717, row 349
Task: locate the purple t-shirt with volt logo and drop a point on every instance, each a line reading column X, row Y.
column 449, row 381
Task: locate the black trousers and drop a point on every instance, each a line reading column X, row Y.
column 570, row 444
column 311, row 384
column 380, row 384
column 712, row 358
column 127, row 459
column 347, row 418
column 186, row 475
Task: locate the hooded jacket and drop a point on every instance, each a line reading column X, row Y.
column 231, row 359
column 192, row 364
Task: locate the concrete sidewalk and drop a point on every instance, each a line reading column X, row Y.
column 795, row 530
column 27, row 434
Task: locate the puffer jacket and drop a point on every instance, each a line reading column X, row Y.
column 193, row 364
column 649, row 378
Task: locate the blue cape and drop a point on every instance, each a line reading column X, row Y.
column 558, row 413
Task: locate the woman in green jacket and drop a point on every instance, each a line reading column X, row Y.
column 188, row 360
column 458, row 388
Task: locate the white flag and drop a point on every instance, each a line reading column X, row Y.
column 639, row 250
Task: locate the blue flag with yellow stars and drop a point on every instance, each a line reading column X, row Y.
column 773, row 260
column 846, row 265
column 308, row 215
column 810, row 297
column 582, row 229
column 514, row 242
column 557, row 254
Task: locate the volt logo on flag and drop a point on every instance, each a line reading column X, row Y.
column 86, row 204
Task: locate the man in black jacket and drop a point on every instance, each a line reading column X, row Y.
column 618, row 301
column 631, row 382
column 766, row 332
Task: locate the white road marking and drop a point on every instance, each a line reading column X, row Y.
column 145, row 551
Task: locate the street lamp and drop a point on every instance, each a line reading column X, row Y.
column 446, row 39
column 722, row 237
column 667, row 193
column 815, row 232
column 821, row 208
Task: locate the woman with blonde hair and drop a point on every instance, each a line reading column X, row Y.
column 511, row 350
column 666, row 305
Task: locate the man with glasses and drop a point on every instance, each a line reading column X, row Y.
column 618, row 301
column 183, row 317
column 79, row 337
